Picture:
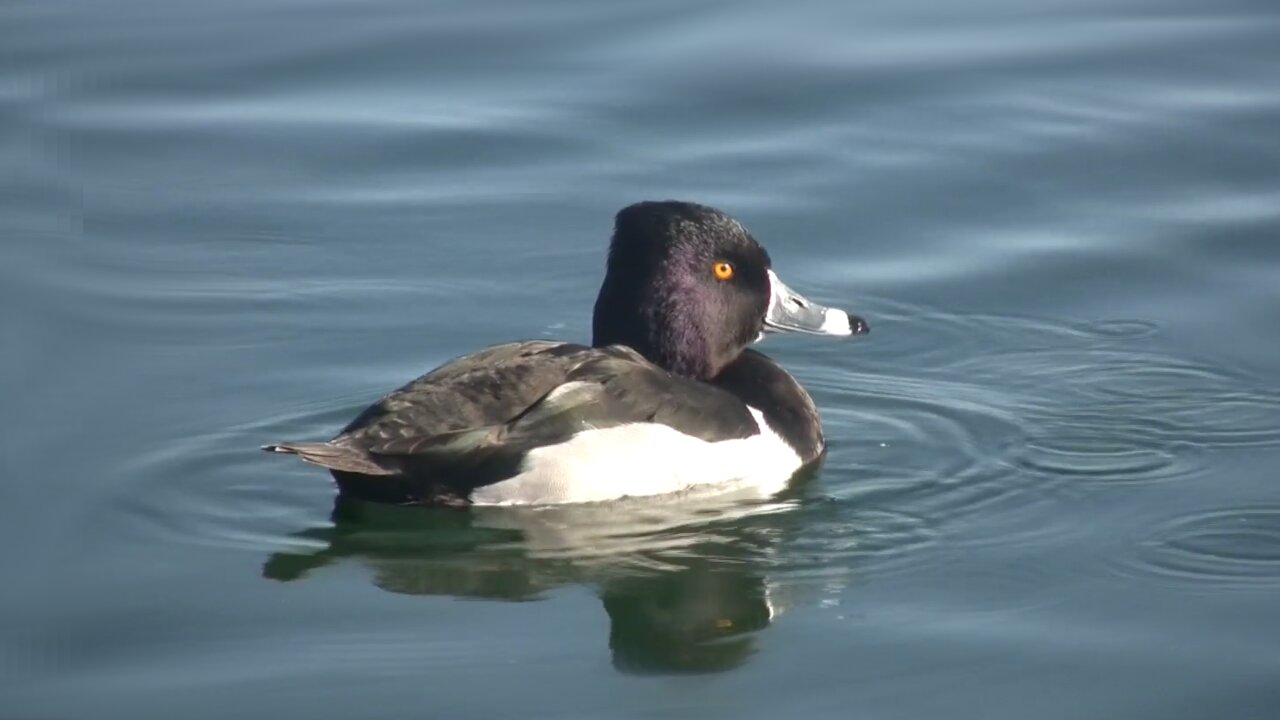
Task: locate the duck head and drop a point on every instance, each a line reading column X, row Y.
column 689, row 288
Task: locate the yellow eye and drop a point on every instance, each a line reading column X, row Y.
column 723, row 271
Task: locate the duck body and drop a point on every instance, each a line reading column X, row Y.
column 667, row 398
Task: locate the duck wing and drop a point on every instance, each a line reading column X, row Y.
column 487, row 387
column 614, row 387
column 475, row 391
column 598, row 388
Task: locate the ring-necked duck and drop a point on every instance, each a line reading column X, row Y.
column 668, row 396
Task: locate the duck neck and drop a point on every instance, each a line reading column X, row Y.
column 677, row 349
column 660, row 331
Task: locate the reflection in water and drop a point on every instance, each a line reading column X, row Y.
column 684, row 580
column 697, row 618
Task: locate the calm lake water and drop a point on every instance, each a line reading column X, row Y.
column 1052, row 485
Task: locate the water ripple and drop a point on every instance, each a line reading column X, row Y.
column 1025, row 415
column 840, row 537
column 1224, row 548
column 1097, row 457
column 903, row 423
column 176, row 498
column 1009, row 415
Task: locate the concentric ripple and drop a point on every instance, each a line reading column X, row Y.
column 838, row 537
column 1017, row 416
column 1224, row 548
column 951, row 416
column 935, row 446
column 1090, row 448
column 178, row 500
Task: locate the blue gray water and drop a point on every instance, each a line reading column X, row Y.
column 1051, row 491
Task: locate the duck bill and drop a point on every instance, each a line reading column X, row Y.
column 789, row 311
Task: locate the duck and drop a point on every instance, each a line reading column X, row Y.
column 668, row 398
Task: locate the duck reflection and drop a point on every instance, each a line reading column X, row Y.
column 684, row 582
column 699, row 618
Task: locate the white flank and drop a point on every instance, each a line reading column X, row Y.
column 643, row 459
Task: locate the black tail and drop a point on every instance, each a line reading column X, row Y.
column 334, row 457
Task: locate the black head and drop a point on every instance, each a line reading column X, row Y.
column 686, row 286
column 689, row 288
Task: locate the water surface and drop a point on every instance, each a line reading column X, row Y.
column 1051, row 485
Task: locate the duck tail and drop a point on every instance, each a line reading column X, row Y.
column 334, row 457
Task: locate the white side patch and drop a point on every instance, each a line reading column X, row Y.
column 643, row 459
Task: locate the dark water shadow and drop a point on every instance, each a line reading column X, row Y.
column 685, row 582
